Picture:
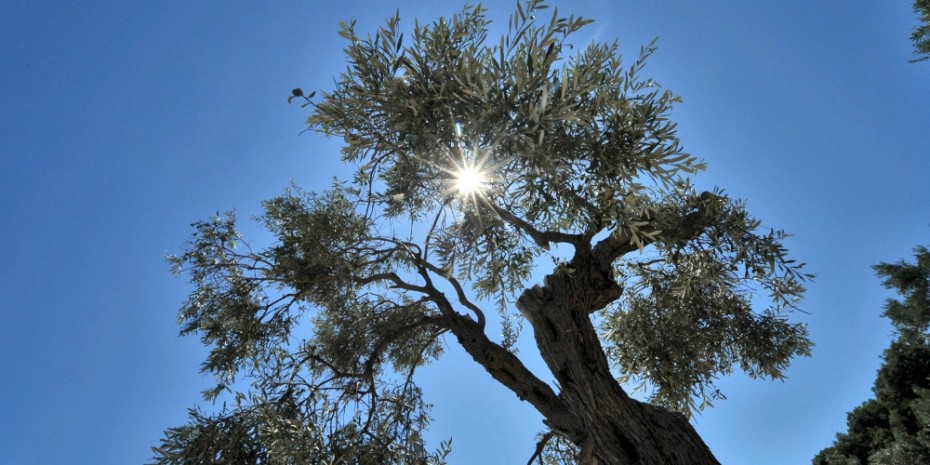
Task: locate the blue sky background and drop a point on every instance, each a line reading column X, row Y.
column 125, row 121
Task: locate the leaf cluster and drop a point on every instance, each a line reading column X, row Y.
column 564, row 135
column 341, row 392
column 687, row 314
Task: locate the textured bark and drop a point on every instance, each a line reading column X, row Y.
column 615, row 429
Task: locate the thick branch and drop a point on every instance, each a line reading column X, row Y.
column 459, row 291
column 616, row 245
column 507, row 369
column 689, row 226
column 503, row 365
column 541, row 238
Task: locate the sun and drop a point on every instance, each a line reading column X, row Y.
column 469, row 180
column 468, row 171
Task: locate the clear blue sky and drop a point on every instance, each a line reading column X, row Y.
column 125, row 121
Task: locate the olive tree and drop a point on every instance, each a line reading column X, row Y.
column 476, row 162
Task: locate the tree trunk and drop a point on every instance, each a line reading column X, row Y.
column 615, row 429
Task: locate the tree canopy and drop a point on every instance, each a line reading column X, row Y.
column 475, row 162
column 894, row 427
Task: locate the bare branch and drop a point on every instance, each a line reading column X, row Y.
column 541, row 238
column 507, row 369
column 394, row 279
column 429, row 235
column 540, row 446
column 460, row 292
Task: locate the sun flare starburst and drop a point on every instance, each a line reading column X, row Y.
column 470, row 180
column 470, row 173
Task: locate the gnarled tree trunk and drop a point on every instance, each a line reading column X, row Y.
column 610, row 427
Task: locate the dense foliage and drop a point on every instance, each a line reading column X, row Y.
column 318, row 337
column 894, row 427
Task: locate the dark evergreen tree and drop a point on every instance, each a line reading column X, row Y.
column 894, row 428
column 921, row 34
column 475, row 161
